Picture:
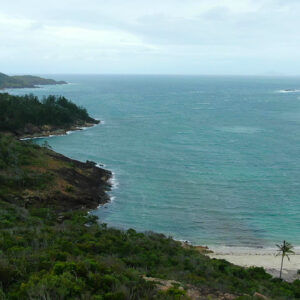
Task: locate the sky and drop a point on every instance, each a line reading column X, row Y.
column 234, row 37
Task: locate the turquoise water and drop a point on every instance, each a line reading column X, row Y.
column 212, row 160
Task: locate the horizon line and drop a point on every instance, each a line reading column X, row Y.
column 158, row 74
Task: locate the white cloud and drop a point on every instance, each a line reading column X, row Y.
column 139, row 36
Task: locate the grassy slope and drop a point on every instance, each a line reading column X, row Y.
column 46, row 254
column 30, row 174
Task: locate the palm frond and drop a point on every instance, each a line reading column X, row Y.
column 285, row 249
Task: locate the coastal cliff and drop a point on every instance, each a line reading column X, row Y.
column 82, row 185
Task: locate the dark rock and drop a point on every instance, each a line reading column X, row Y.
column 90, row 184
column 90, row 163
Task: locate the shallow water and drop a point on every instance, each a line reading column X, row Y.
column 212, row 160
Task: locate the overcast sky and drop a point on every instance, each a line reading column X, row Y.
column 150, row 36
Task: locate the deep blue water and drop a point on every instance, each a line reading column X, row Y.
column 213, row 160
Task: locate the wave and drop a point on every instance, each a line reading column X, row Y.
column 289, row 91
column 114, row 185
column 80, row 128
column 98, row 165
column 240, row 129
column 113, row 181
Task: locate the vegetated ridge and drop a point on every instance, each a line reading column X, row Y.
column 27, row 116
column 25, row 81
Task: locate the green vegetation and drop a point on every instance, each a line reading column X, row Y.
column 47, row 254
column 30, row 174
column 25, row 81
column 22, row 166
column 285, row 249
column 42, row 258
column 52, row 248
column 17, row 112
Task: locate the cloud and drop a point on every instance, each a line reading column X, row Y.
column 139, row 36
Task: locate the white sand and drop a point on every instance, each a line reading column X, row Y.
column 262, row 258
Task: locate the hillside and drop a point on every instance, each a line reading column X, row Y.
column 25, row 81
column 34, row 175
column 52, row 247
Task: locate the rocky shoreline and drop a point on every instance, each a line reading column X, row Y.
column 74, row 185
column 87, row 184
column 30, row 131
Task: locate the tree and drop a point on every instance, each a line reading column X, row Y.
column 285, row 249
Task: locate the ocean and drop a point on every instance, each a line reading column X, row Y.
column 214, row 160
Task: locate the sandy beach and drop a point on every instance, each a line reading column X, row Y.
column 262, row 258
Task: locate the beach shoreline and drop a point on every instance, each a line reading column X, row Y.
column 265, row 258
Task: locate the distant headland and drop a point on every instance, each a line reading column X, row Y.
column 25, row 81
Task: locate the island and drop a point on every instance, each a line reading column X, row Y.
column 53, row 246
column 25, row 81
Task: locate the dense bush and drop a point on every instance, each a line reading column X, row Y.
column 43, row 259
column 18, row 111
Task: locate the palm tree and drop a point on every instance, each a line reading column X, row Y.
column 284, row 249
